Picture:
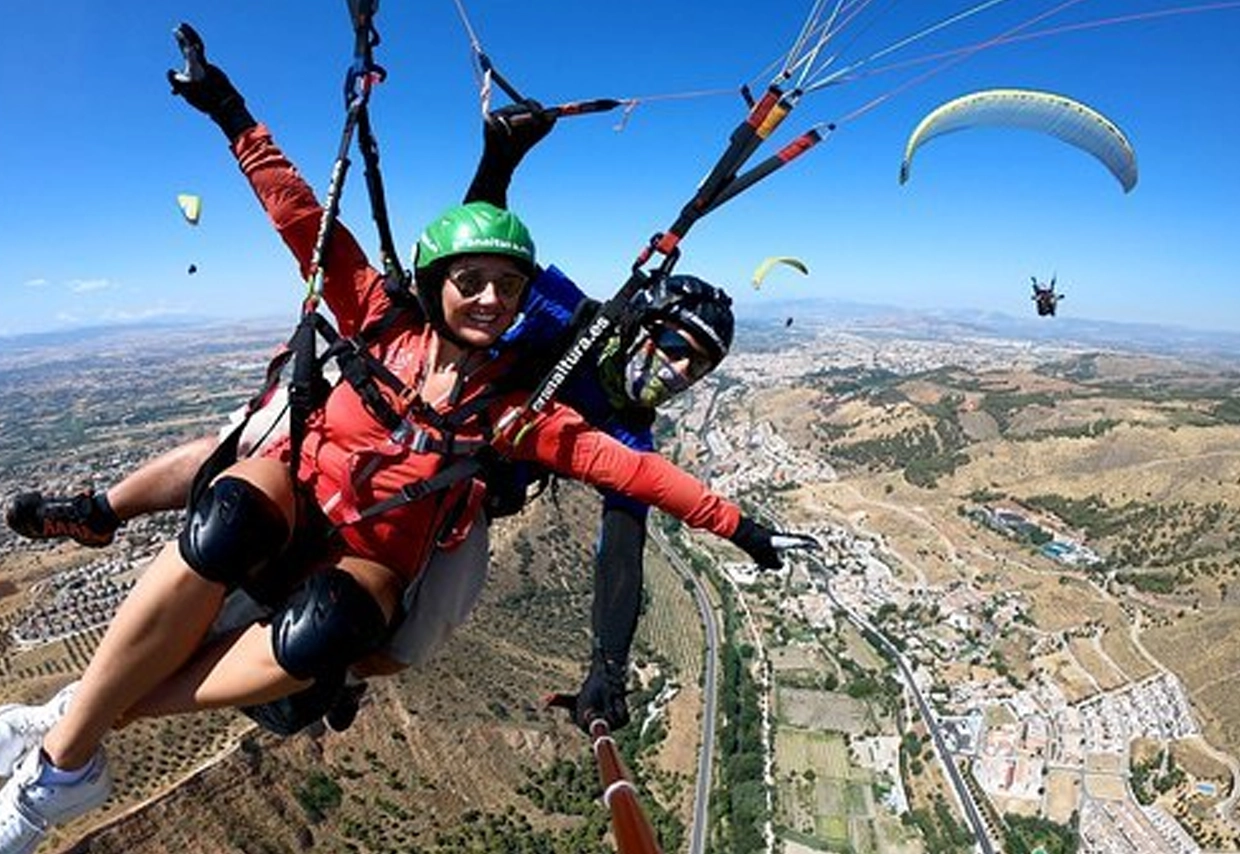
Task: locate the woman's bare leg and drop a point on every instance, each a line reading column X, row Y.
column 155, row 631
column 241, row 670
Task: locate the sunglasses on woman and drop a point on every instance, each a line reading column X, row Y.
column 472, row 281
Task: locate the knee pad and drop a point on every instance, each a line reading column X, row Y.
column 328, row 623
column 231, row 531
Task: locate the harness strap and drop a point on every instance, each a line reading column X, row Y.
column 361, row 369
column 302, row 391
column 458, row 470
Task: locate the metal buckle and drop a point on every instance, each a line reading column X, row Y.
column 411, row 436
column 421, row 441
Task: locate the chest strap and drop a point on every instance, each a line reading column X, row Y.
column 460, row 469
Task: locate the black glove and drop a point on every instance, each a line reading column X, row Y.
column 508, row 134
column 765, row 546
column 602, row 694
column 208, row 89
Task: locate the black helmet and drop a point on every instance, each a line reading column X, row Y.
column 701, row 308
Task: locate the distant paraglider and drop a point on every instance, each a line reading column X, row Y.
column 191, row 207
column 759, row 275
column 1057, row 115
column 1045, row 297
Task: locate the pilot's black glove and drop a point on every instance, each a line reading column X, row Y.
column 508, row 134
column 602, row 694
column 207, row 88
column 766, row 546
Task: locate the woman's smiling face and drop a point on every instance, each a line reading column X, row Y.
column 481, row 297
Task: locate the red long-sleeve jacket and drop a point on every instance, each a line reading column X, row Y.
column 349, row 460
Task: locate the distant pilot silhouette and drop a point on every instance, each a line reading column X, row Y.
column 1045, row 297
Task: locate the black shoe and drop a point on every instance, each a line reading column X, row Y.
column 326, row 701
column 86, row 518
column 340, row 716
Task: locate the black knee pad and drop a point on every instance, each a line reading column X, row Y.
column 231, row 531
column 328, row 623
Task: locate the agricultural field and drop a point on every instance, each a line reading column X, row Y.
column 825, row 802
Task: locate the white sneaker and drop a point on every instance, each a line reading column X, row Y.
column 29, row 807
column 23, row 727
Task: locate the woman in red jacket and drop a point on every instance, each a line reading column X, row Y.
column 339, row 531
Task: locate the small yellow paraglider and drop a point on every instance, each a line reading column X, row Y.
column 759, row 275
column 191, row 207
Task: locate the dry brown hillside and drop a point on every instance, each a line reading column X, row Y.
column 1137, row 458
column 430, row 753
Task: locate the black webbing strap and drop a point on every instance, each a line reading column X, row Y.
column 456, row 471
column 362, row 75
column 392, row 269
column 619, row 312
column 364, row 372
column 301, row 390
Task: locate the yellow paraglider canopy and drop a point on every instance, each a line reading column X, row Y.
column 765, row 267
column 191, row 206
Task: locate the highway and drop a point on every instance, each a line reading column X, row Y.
column 710, row 671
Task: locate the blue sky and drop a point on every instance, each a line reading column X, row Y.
column 94, row 151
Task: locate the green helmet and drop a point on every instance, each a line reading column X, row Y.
column 476, row 228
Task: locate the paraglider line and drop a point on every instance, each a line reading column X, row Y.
column 1038, row 34
column 487, row 73
column 952, row 61
column 906, row 41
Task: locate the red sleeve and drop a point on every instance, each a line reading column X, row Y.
column 351, row 287
column 563, row 441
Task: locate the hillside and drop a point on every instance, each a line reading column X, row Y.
column 1136, row 458
column 428, row 748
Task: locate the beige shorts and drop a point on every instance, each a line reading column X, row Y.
column 271, row 422
column 265, row 426
column 441, row 599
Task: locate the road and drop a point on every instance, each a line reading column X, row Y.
column 972, row 815
column 710, row 671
